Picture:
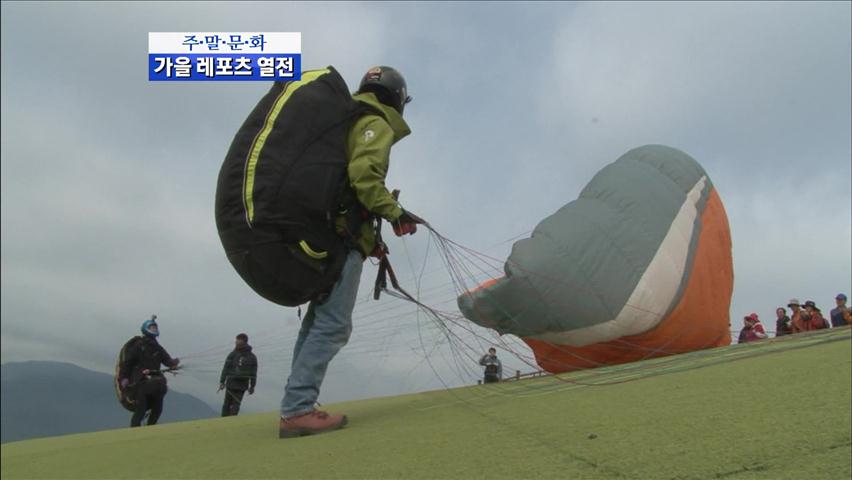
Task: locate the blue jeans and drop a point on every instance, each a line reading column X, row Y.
column 325, row 330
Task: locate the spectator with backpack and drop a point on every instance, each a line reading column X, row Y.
column 238, row 375
column 140, row 376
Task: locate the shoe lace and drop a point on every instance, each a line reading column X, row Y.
column 320, row 414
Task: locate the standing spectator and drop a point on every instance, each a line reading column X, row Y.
column 752, row 329
column 782, row 322
column 796, row 315
column 238, row 375
column 493, row 366
column 810, row 319
column 841, row 315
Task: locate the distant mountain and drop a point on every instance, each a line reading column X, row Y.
column 705, row 414
column 42, row 399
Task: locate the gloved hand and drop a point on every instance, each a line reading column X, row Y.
column 406, row 224
column 251, row 390
column 124, row 382
column 145, row 371
column 401, row 229
column 175, row 362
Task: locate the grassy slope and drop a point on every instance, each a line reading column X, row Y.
column 779, row 409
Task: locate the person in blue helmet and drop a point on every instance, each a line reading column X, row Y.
column 841, row 315
column 141, row 371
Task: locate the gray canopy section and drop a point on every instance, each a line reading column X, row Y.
column 581, row 264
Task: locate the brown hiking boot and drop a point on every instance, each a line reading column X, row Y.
column 309, row 424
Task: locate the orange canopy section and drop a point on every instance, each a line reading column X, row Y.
column 700, row 320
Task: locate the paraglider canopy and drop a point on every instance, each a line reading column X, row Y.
column 646, row 244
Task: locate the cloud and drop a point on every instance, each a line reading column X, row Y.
column 108, row 180
column 756, row 92
column 108, row 186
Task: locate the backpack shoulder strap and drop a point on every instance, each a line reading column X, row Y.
column 122, row 356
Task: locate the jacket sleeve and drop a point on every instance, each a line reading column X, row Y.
column 226, row 368
column 499, row 369
column 369, row 145
column 253, row 372
column 167, row 359
column 482, row 360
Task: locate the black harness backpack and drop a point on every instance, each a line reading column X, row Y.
column 281, row 186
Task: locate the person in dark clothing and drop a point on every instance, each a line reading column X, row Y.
column 141, row 372
column 238, row 375
column 841, row 315
column 493, row 367
column 783, row 325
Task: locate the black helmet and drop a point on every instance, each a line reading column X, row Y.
column 388, row 85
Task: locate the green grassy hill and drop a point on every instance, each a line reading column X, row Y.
column 777, row 409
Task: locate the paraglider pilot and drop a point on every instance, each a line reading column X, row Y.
column 141, row 371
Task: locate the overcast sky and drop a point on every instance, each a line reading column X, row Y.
column 108, row 180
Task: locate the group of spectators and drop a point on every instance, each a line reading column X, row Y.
column 803, row 318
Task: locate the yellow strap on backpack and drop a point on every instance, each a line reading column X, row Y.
column 311, row 252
